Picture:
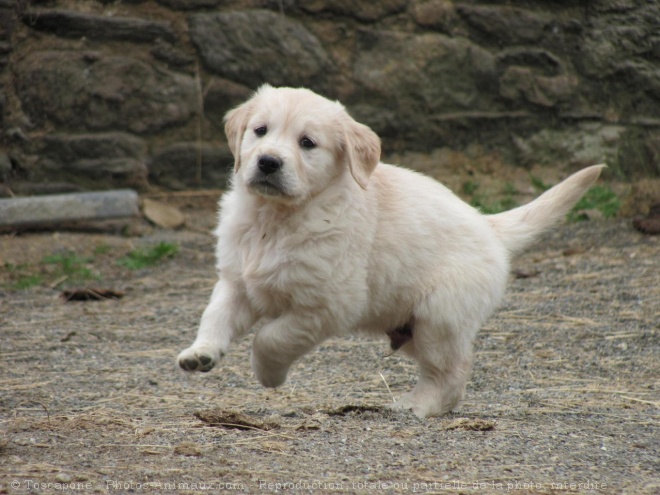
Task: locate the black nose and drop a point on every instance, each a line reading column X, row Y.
column 269, row 164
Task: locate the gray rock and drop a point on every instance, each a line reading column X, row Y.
column 124, row 170
column 189, row 4
column 584, row 144
column 436, row 14
column 176, row 166
column 7, row 25
column 68, row 147
column 639, row 153
column 508, row 25
column 258, row 46
column 430, row 71
column 5, row 166
column 385, row 121
column 364, row 10
column 523, row 84
column 3, row 105
column 422, row 73
column 171, row 55
column 86, row 90
column 221, row 96
column 72, row 24
column 5, row 50
column 415, row 88
column 42, row 186
column 541, row 60
column 116, row 159
column 618, row 57
column 619, row 35
column 7, row 19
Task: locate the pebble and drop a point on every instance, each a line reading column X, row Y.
column 64, row 478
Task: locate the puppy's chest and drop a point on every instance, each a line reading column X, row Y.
column 278, row 272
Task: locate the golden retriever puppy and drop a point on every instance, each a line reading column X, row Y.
column 316, row 238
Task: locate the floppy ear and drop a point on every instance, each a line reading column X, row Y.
column 362, row 151
column 235, row 124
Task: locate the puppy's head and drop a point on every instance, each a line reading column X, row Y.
column 290, row 144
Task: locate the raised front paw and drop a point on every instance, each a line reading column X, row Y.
column 198, row 358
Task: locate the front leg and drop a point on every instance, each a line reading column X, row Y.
column 280, row 342
column 227, row 317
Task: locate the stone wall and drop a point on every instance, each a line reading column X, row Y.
column 100, row 94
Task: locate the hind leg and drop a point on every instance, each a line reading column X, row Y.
column 281, row 341
column 446, row 322
column 444, row 355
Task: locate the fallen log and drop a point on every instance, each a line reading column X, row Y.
column 54, row 209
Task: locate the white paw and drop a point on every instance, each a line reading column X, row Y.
column 270, row 375
column 199, row 358
column 423, row 406
column 407, row 403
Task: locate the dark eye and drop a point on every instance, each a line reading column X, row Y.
column 261, row 130
column 307, row 143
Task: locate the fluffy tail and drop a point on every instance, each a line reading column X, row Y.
column 519, row 227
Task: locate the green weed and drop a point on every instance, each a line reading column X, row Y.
column 71, row 266
column 61, row 267
column 538, row 184
column 599, row 197
column 102, row 249
column 26, row 282
column 471, row 188
column 509, row 189
column 22, row 278
column 145, row 257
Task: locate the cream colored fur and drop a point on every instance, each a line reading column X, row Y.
column 335, row 242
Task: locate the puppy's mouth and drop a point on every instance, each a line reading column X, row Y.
column 269, row 187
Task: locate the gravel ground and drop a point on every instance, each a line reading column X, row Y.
column 564, row 396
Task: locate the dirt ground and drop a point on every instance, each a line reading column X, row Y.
column 564, row 396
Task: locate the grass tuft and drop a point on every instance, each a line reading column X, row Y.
column 506, row 202
column 146, row 257
column 71, row 266
column 599, row 197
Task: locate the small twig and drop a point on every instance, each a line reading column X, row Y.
column 58, row 281
column 656, row 404
column 263, row 437
column 237, row 426
column 36, row 402
column 274, row 452
column 387, row 386
column 136, row 445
